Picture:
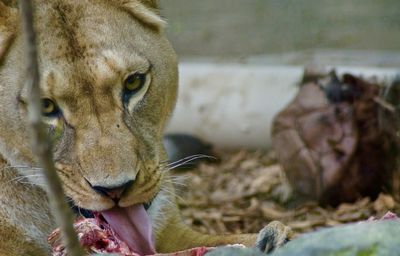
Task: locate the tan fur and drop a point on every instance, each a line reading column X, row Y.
column 86, row 50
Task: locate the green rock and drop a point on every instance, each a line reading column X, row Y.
column 235, row 251
column 359, row 239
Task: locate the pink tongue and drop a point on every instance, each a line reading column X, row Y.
column 133, row 226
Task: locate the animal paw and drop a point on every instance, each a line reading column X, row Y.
column 273, row 236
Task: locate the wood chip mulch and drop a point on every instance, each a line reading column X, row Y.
column 245, row 190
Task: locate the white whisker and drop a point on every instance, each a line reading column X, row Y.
column 24, row 167
column 23, row 177
column 171, row 167
column 68, row 199
column 171, row 193
column 79, row 211
column 187, row 159
column 177, row 181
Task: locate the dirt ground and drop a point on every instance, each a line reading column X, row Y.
column 243, row 191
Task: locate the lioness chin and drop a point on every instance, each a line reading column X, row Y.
column 109, row 83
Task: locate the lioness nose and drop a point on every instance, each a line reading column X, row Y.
column 114, row 193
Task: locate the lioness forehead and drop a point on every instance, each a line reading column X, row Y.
column 74, row 30
column 83, row 53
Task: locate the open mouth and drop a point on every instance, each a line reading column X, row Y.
column 131, row 224
column 90, row 214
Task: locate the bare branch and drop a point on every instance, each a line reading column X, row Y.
column 41, row 143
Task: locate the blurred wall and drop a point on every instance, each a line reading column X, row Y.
column 237, row 28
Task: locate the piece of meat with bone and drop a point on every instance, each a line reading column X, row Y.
column 97, row 236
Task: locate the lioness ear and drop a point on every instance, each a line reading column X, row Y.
column 8, row 27
column 145, row 11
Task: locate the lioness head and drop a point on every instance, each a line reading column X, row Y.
column 109, row 83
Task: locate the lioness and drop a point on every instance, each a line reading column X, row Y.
column 109, row 81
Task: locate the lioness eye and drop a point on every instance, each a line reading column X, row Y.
column 49, row 108
column 132, row 84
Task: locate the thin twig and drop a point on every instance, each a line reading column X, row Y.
column 385, row 104
column 41, row 143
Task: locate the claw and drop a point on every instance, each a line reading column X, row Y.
column 273, row 236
